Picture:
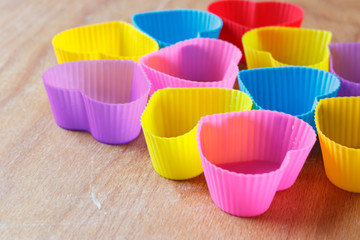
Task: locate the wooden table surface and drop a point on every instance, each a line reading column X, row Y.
column 63, row 184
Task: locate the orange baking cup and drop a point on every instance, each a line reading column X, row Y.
column 170, row 120
column 110, row 40
column 284, row 46
column 337, row 121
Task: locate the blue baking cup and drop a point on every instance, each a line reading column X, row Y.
column 171, row 26
column 292, row 90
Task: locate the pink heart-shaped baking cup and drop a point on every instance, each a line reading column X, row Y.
column 199, row 62
column 248, row 156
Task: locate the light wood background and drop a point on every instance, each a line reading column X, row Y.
column 63, row 184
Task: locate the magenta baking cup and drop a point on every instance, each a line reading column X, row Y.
column 242, row 16
column 344, row 63
column 200, row 62
column 248, row 156
column 103, row 97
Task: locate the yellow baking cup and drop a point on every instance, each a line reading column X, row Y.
column 284, row 46
column 337, row 122
column 169, row 124
column 111, row 40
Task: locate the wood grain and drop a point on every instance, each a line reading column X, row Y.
column 62, row 184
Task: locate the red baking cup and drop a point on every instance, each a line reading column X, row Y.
column 241, row 16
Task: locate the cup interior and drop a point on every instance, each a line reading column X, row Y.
column 345, row 60
column 257, row 14
column 338, row 119
column 112, row 39
column 251, row 142
column 174, row 112
column 290, row 90
column 195, row 62
column 176, row 25
column 291, row 46
column 111, row 81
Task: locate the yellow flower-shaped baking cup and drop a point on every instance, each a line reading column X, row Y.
column 337, row 122
column 170, row 120
column 110, row 40
column 284, row 46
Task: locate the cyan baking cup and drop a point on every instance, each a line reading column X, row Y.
column 242, row 16
column 293, row 90
column 103, row 97
column 111, row 40
column 337, row 121
column 283, row 46
column 248, row 156
column 169, row 125
column 344, row 63
column 171, row 26
column 200, row 62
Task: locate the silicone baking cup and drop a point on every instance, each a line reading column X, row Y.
column 344, row 63
column 171, row 26
column 337, row 121
column 201, row 62
column 111, row 40
column 104, row 97
column 248, row 156
column 293, row 90
column 283, row 46
column 169, row 124
column 242, row 16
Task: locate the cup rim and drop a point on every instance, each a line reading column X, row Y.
column 319, row 127
column 286, row 29
column 283, row 164
column 120, row 23
column 159, row 92
column 197, row 41
column 287, row 23
column 331, row 65
column 85, row 62
column 274, row 69
column 169, row 11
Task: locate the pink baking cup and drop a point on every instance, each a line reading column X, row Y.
column 344, row 63
column 200, row 62
column 103, row 97
column 248, row 156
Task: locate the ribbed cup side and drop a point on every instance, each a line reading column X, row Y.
column 200, row 62
column 169, row 124
column 171, row 26
column 241, row 195
column 111, row 40
column 300, row 142
column 283, row 46
column 104, row 97
column 251, row 136
column 242, row 16
column 114, row 123
column 339, row 134
column 344, row 59
column 68, row 108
